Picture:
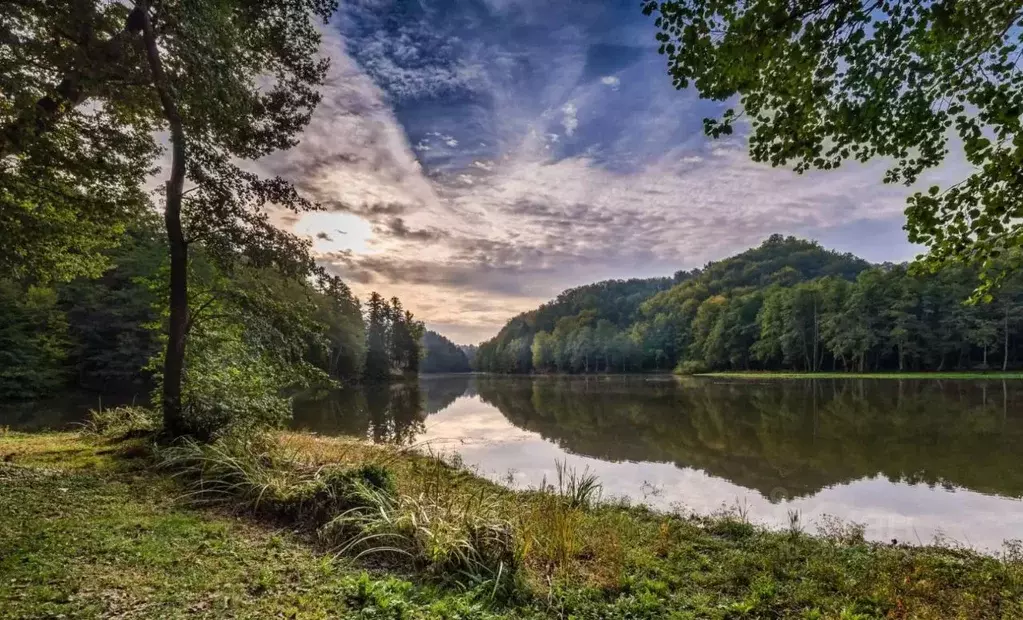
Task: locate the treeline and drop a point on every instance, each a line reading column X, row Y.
column 253, row 329
column 786, row 305
column 442, row 355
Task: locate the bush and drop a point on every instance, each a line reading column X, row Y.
column 691, row 367
column 121, row 421
column 230, row 387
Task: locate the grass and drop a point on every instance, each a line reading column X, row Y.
column 90, row 527
column 862, row 375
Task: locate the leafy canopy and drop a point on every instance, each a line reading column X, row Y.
column 71, row 175
column 825, row 81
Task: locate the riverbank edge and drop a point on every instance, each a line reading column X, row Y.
column 972, row 376
column 600, row 559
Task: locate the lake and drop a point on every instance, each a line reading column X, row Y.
column 912, row 460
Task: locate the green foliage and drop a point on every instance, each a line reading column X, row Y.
column 691, row 367
column 111, row 318
column 72, row 176
column 441, row 355
column 614, row 302
column 785, row 305
column 392, row 339
column 33, row 341
column 822, row 84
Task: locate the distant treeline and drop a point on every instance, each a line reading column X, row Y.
column 788, row 304
column 104, row 334
column 442, row 355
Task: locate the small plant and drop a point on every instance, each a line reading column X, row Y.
column 121, row 421
column 795, row 522
column 580, row 489
column 834, row 529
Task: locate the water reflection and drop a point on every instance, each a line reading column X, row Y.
column 911, row 459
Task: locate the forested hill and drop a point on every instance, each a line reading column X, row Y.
column 787, row 304
column 612, row 304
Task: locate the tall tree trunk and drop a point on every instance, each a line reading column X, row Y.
column 1005, row 328
column 177, row 333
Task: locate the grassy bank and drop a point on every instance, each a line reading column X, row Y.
column 862, row 375
column 301, row 526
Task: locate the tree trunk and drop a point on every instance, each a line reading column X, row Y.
column 1005, row 355
column 177, row 333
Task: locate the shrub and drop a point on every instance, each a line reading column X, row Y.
column 691, row 367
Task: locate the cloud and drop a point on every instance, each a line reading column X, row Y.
column 570, row 121
column 611, row 81
column 453, row 133
column 396, row 227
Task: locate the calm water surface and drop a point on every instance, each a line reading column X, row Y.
column 911, row 460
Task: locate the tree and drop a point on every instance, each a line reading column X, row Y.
column 543, row 356
column 824, row 82
column 33, row 338
column 71, row 175
column 378, row 365
column 228, row 81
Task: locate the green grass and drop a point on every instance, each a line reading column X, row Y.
column 861, row 375
column 90, row 528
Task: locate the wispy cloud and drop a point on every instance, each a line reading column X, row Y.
column 501, row 151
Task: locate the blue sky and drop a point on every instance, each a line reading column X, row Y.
column 477, row 157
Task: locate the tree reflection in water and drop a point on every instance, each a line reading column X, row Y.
column 798, row 435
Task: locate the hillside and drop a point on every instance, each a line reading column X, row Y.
column 788, row 304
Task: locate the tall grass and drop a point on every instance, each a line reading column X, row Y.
column 581, row 489
column 355, row 511
column 120, row 421
column 467, row 539
column 256, row 473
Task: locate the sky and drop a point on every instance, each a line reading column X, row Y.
column 477, row 157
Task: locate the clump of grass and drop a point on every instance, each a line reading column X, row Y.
column 257, row 474
column 120, row 422
column 446, row 537
column 582, row 490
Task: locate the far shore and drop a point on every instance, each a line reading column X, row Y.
column 997, row 375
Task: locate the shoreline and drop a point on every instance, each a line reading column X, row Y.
column 920, row 375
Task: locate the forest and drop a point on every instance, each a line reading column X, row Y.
column 442, row 355
column 263, row 333
column 788, row 304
